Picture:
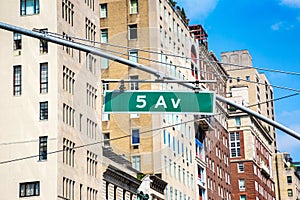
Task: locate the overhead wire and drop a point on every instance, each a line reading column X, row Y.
column 185, row 57
column 183, row 67
column 94, row 143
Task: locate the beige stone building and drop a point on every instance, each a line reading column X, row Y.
column 50, row 103
column 252, row 142
column 288, row 174
column 155, row 34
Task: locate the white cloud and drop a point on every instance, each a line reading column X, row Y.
column 276, row 26
column 291, row 3
column 197, row 9
column 285, row 142
column 282, row 26
column 289, row 144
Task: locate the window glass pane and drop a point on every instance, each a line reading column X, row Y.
column 103, row 10
column 43, row 110
column 132, row 31
column 133, row 56
column 17, row 82
column 133, row 6
column 104, row 35
column 135, row 136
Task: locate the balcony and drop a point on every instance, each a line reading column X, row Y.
column 204, row 122
column 201, row 182
column 265, row 170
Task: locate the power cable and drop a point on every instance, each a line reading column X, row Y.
column 94, row 143
column 182, row 67
column 188, row 58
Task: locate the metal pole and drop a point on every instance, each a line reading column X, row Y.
column 158, row 74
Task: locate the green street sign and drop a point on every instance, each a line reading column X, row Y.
column 159, row 102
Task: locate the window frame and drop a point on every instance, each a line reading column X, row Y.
column 235, row 144
column 44, row 108
column 43, row 144
column 44, row 78
column 24, row 7
column 135, row 136
column 134, row 85
column 17, row 41
column 17, row 80
column 133, row 56
column 103, row 10
column 132, row 32
column 136, row 162
column 241, row 167
column 242, row 184
column 289, row 179
column 290, row 192
column 25, row 185
column 106, row 139
column 104, row 35
column 134, row 7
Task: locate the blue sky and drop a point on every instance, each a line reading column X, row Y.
column 270, row 30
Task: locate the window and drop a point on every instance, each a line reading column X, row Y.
column 30, row 7
column 91, row 129
column 68, row 80
column 238, row 121
column 104, row 63
column 43, row 148
column 92, row 194
column 289, row 179
column 91, row 95
column 17, row 41
column 135, row 136
column 235, row 150
column 68, row 115
column 134, row 85
column 238, row 79
column 17, row 80
column 133, row 6
column 290, row 192
column 106, row 139
column 242, row 184
column 132, row 32
column 133, row 56
column 43, row 77
column 247, row 78
column 165, row 136
column 243, row 197
column 91, row 63
column 136, row 162
column 104, row 35
column 68, row 11
column 44, row 110
column 68, row 188
column 43, row 44
column 91, row 163
column 240, row 167
column 68, row 152
column 90, row 30
column 103, row 10
column 30, row 189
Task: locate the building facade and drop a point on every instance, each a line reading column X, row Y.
column 155, row 34
column 252, row 142
column 216, row 139
column 50, row 105
column 288, row 174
